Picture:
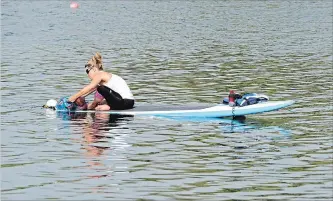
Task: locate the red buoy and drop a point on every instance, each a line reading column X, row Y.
column 74, row 5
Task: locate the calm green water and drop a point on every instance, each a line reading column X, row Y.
column 173, row 52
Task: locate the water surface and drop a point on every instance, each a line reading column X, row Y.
column 173, row 52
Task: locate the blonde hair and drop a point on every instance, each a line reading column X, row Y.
column 97, row 60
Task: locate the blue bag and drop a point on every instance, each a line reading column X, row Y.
column 248, row 99
column 64, row 105
column 251, row 99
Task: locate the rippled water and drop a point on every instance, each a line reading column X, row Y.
column 174, row 52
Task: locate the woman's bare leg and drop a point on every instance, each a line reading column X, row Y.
column 103, row 107
column 95, row 103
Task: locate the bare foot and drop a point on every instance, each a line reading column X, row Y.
column 103, row 108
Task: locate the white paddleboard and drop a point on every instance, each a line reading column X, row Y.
column 219, row 110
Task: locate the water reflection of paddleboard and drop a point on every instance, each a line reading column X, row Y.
column 238, row 124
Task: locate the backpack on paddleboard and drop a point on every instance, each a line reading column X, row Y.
column 247, row 99
column 64, row 105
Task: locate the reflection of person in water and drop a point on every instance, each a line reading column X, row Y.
column 94, row 126
column 95, row 132
column 95, row 141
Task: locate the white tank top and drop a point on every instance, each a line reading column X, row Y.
column 119, row 85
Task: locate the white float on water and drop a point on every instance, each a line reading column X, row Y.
column 50, row 103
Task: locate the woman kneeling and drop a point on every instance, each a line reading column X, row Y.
column 111, row 87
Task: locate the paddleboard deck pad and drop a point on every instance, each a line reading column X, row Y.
column 220, row 110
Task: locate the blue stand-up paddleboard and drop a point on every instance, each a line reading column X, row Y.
column 219, row 110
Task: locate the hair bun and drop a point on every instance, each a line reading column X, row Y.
column 98, row 57
column 98, row 60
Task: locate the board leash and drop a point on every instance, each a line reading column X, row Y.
column 233, row 112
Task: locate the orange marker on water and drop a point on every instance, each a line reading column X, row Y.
column 74, row 5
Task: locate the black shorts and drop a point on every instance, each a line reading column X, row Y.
column 114, row 100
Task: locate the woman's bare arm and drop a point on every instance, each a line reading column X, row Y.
column 85, row 90
column 84, row 95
